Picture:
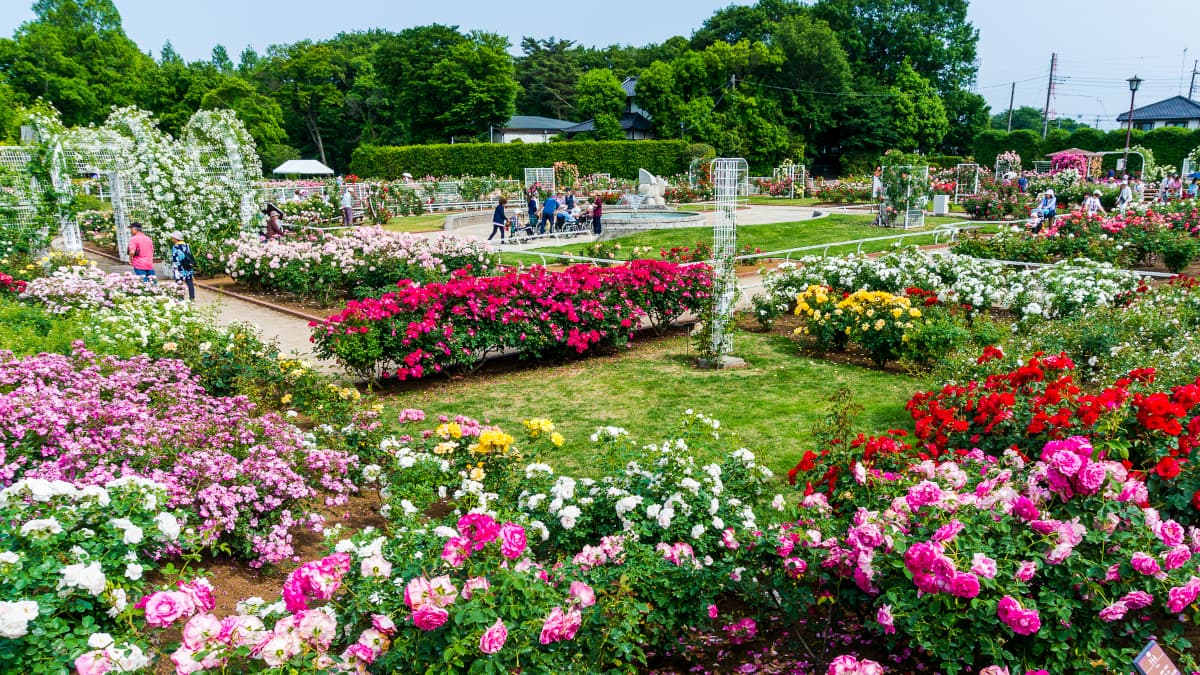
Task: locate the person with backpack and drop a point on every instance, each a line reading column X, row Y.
column 183, row 263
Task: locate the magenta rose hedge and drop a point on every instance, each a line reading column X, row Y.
column 419, row 330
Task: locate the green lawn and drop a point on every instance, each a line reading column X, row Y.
column 769, row 407
column 422, row 223
column 768, row 237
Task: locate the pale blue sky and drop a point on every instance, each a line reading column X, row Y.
column 1100, row 42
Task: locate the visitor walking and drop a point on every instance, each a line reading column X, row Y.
column 597, row 211
column 499, row 220
column 1164, row 189
column 1126, row 196
column 1092, row 205
column 549, row 212
column 1022, row 183
column 141, row 254
column 532, row 207
column 183, row 263
column 274, row 229
column 347, row 207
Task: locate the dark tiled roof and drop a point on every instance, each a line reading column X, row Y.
column 1174, row 108
column 629, row 122
column 537, row 123
column 630, row 86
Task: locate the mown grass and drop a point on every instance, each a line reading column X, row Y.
column 767, row 237
column 425, row 222
column 769, row 407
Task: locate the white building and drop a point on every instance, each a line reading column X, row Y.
column 1177, row 111
column 531, row 129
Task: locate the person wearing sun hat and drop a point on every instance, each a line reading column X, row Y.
column 183, row 263
column 1092, row 205
column 274, row 229
column 1046, row 209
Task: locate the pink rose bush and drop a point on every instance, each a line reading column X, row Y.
column 247, row 479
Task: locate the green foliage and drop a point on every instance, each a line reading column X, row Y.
column 620, row 158
column 599, row 92
column 1056, row 139
column 549, row 74
column 1171, row 145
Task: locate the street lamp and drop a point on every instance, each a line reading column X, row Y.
column 1134, row 83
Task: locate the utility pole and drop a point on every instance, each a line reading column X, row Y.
column 1049, row 92
column 1194, row 74
column 1011, row 93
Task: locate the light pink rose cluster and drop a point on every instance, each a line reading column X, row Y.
column 923, row 494
column 318, row 579
column 1022, row 621
column 849, row 665
column 561, row 625
column 610, row 550
column 677, row 553
column 1180, row 598
column 164, row 608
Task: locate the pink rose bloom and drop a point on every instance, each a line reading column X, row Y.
column 1113, row 573
column 456, row 550
column 948, row 531
column 1065, row 462
column 165, row 607
column 1091, row 478
column 983, row 566
column 728, row 540
column 1114, row 612
column 358, row 652
column 493, row 638
column 474, row 584
column 1025, row 622
column 95, row 662
column 373, row 640
column 479, row 528
column 442, row 591
column 416, row 593
column 712, row 611
column 1007, row 607
column 964, row 585
column 1137, row 599
column 795, row 567
column 1146, row 564
column 1177, row 557
column 430, row 617
column 512, row 540
column 237, row 630
column 317, row 629
column 1179, row 597
column 1045, row 526
column 279, row 649
column 994, row 670
column 1026, row 570
column 200, row 593
column 923, row 493
column 885, row 619
column 376, row 566
column 383, row 624
column 185, row 661
column 1170, row 532
column 199, row 630
column 583, row 594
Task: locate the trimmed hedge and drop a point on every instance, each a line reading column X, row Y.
column 1170, row 144
column 619, row 158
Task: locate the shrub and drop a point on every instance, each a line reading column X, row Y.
column 620, row 158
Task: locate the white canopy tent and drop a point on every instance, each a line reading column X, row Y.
column 305, row 167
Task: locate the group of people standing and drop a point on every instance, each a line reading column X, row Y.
column 552, row 214
column 141, row 258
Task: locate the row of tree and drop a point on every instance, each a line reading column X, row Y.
column 837, row 79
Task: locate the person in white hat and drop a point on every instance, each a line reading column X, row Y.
column 1091, row 204
column 1125, row 197
column 1045, row 211
column 183, row 263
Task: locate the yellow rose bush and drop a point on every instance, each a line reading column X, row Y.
column 877, row 321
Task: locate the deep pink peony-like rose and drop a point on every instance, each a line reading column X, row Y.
column 885, row 619
column 493, row 638
column 583, row 594
column 964, row 585
column 479, row 528
column 1114, row 612
column 430, row 617
column 512, row 540
column 1146, row 564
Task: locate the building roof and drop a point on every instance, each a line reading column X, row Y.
column 630, row 86
column 1074, row 151
column 1174, row 108
column 629, row 122
column 535, row 123
column 306, row 167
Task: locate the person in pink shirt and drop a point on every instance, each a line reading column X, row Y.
column 141, row 254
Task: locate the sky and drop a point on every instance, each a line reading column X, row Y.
column 1100, row 43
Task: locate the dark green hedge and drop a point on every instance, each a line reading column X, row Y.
column 1169, row 144
column 620, row 158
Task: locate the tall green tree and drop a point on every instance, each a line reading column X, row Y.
column 261, row 114
column 75, row 55
column 402, row 64
column 934, row 36
column 919, row 115
column 474, row 86
column 756, row 23
column 968, row 115
column 303, row 77
column 547, row 72
column 599, row 92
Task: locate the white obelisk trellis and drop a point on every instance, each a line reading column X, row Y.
column 966, row 181
column 727, row 175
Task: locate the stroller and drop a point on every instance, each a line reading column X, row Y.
column 519, row 232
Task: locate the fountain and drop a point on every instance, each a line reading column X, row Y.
column 647, row 210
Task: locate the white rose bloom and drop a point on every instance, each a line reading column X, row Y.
column 568, row 516
column 445, row 532
column 697, row 531
column 15, row 618
column 717, row 523
column 119, row 602
column 132, row 533
column 541, row 528
column 168, row 524
column 9, row 558
column 40, row 526
column 88, row 577
column 778, row 503
column 128, row 658
column 690, row 485
column 95, row 492
column 408, row 507
column 344, row 546
column 133, row 571
column 100, row 640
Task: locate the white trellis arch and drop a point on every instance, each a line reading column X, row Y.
column 966, row 180
column 540, row 176
column 905, row 191
column 791, row 172
column 728, row 174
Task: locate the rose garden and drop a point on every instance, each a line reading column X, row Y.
column 969, row 457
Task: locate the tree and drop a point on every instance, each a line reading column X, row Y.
column 1029, row 117
column 75, row 55
column 302, row 76
column 967, row 114
column 547, row 74
column 934, row 36
column 599, row 92
column 608, row 128
column 735, row 23
column 814, row 61
column 473, row 86
column 221, row 61
column 261, row 115
column 398, row 60
column 919, row 115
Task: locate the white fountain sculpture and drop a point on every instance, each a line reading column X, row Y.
column 651, row 189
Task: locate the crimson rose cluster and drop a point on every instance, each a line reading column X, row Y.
column 422, row 329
